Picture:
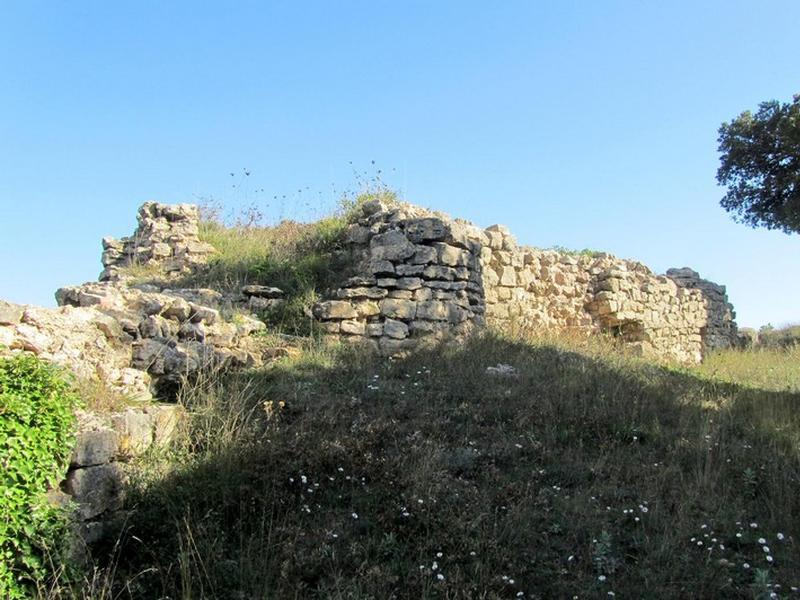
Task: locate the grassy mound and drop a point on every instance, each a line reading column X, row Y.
column 337, row 474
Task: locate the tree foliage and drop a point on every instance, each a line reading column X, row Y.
column 760, row 165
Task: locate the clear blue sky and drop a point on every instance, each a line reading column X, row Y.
column 581, row 124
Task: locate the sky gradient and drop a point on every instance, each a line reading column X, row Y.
column 578, row 124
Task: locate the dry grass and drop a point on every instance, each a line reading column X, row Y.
column 337, row 474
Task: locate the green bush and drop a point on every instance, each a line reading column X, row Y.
column 37, row 405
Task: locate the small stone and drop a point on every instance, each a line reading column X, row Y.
column 179, row 310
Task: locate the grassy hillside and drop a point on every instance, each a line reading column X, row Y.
column 337, row 474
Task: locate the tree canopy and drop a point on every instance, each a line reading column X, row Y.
column 760, row 165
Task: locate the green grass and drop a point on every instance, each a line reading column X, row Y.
column 302, row 259
column 338, row 474
column 761, row 368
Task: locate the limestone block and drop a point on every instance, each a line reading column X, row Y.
column 352, row 327
column 395, row 329
column 97, row 489
column 452, row 256
column 380, row 267
column 437, row 272
column 403, row 294
column 30, row 338
column 508, row 276
column 447, row 285
column 495, row 239
column 94, row 447
column 10, row 314
column 331, row 327
column 423, row 294
column 374, row 293
column 409, row 270
column 148, row 355
column 367, row 309
column 335, row 309
column 374, row 329
column 6, row 336
column 408, row 283
column 178, row 309
column 398, row 308
column 426, row 229
column 432, row 310
column 392, row 246
column 261, row 291
column 424, row 255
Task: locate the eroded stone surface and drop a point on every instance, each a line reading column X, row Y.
column 435, row 276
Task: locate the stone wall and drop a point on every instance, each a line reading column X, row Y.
column 422, row 275
column 166, row 238
column 419, row 276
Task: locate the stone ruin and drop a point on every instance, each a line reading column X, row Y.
column 166, row 238
column 421, row 275
column 417, row 277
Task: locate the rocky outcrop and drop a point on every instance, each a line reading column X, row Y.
column 166, row 239
column 422, row 275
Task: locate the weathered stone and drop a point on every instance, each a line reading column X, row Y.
column 380, row 267
column 426, row 229
column 179, row 309
column 97, row 490
column 10, row 314
column 408, row 283
column 436, row 272
column 398, row 309
column 262, row 291
column 391, row 246
column 424, row 255
column 432, row 310
column 409, row 270
column 353, row 327
column 395, row 329
column 335, row 309
column 452, row 256
column 374, row 329
column 403, row 294
column 94, row 447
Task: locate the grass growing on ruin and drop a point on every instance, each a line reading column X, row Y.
column 302, row 259
column 338, row 474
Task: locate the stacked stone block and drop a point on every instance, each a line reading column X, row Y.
column 422, row 275
column 419, row 278
column 166, row 238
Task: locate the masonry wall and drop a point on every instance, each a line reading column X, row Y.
column 423, row 275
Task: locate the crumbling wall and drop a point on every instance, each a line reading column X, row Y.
column 166, row 238
column 423, row 275
column 720, row 328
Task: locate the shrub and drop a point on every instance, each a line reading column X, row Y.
column 36, row 438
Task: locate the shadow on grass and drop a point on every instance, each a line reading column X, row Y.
column 343, row 475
